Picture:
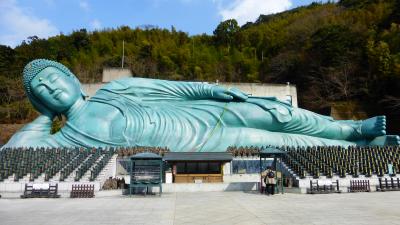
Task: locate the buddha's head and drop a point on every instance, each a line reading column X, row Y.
column 50, row 86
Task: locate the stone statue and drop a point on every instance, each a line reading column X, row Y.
column 183, row 116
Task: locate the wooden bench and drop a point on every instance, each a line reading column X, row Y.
column 82, row 191
column 50, row 192
column 389, row 185
column 315, row 188
column 359, row 186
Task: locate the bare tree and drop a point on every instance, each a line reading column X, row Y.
column 392, row 102
column 335, row 83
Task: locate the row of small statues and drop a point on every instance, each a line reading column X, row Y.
column 340, row 148
column 245, row 151
column 135, row 150
column 234, row 150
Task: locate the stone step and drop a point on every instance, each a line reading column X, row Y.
column 86, row 176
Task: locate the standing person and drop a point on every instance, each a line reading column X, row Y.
column 390, row 169
column 263, row 186
column 270, row 181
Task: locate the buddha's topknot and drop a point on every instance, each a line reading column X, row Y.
column 37, row 65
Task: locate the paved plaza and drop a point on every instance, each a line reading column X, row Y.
column 206, row 208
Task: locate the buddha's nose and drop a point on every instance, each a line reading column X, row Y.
column 50, row 88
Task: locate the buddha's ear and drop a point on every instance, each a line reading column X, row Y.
column 83, row 93
column 75, row 80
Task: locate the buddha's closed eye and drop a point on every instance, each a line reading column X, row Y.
column 40, row 89
column 53, row 77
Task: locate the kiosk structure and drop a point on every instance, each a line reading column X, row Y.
column 197, row 167
column 146, row 172
column 276, row 154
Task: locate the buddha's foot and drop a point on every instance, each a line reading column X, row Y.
column 385, row 140
column 373, row 127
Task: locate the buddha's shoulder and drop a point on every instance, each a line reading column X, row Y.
column 99, row 109
column 101, row 120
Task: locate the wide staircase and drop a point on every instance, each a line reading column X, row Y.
column 332, row 169
column 53, row 164
column 342, row 162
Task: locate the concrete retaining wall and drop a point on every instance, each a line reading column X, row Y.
column 234, row 178
column 110, row 74
column 207, row 187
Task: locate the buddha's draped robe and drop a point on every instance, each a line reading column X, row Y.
column 179, row 115
column 183, row 116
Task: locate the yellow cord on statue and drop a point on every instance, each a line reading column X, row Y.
column 216, row 126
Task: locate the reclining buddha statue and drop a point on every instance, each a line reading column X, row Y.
column 183, row 116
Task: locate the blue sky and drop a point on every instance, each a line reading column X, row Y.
column 43, row 18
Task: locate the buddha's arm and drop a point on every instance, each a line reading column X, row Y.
column 142, row 87
column 33, row 134
column 168, row 89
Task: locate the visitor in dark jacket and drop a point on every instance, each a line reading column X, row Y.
column 269, row 181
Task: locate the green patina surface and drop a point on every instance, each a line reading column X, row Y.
column 183, row 116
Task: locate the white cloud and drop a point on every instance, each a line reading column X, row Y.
column 249, row 10
column 84, row 5
column 95, row 24
column 17, row 23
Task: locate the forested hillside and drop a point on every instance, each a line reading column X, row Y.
column 336, row 53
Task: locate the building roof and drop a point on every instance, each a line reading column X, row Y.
column 198, row 156
column 146, row 155
column 271, row 152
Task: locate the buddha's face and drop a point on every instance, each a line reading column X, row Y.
column 55, row 89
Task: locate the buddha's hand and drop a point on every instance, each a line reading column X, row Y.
column 230, row 94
